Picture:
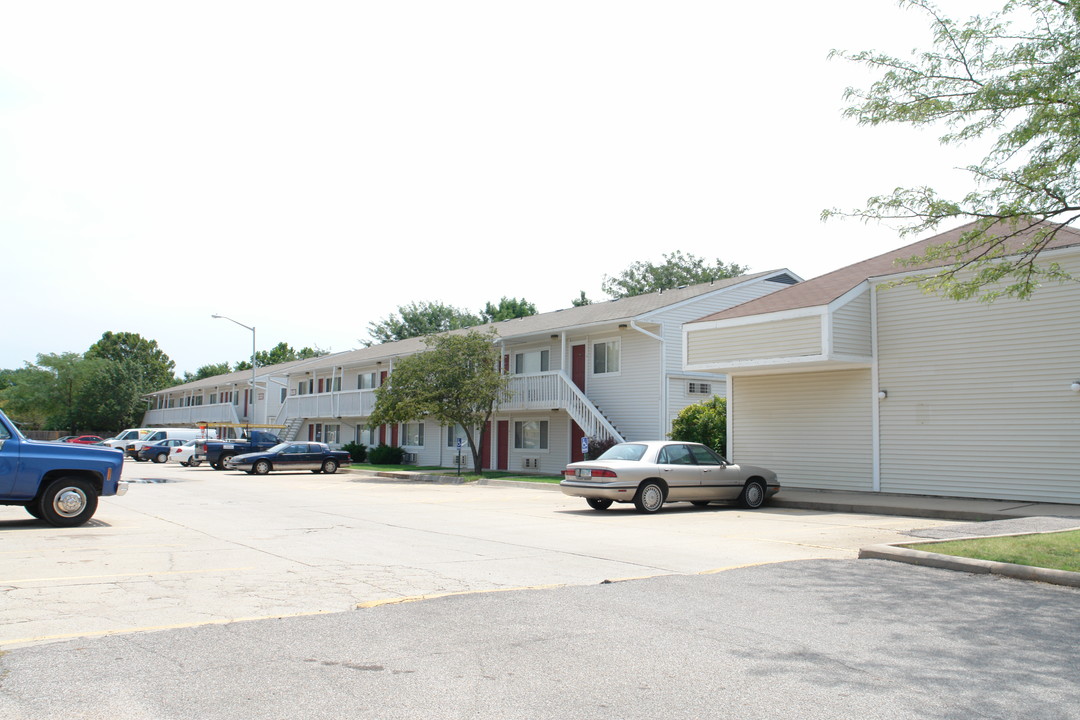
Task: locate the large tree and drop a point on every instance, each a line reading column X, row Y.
column 112, row 398
column 677, row 269
column 418, row 319
column 155, row 368
column 280, row 353
column 47, row 394
column 1013, row 77
column 507, row 309
column 456, row 381
column 209, row 370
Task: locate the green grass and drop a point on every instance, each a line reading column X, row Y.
column 471, row 476
column 1057, row 551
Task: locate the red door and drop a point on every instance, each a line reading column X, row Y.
column 485, row 447
column 577, row 368
column 504, row 445
column 394, row 435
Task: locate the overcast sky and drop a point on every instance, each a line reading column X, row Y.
column 306, row 168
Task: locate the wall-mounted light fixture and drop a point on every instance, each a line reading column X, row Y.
column 1075, row 387
column 622, row 326
column 882, row 394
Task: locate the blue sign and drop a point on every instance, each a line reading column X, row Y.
column 459, row 443
column 584, row 446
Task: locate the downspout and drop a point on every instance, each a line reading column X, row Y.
column 663, row 376
column 875, row 409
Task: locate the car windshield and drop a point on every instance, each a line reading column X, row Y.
column 625, row 451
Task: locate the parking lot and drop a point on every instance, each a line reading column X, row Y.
column 193, row 546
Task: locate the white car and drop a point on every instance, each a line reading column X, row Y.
column 186, row 454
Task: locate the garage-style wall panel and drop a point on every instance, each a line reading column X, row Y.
column 813, row 429
column 979, row 400
column 793, row 337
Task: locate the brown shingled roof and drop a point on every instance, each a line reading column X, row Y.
column 823, row 289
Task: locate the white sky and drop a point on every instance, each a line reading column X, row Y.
column 307, row 168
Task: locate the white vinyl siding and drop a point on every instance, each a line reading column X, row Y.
column 631, row 397
column 791, row 337
column 979, row 403
column 851, row 327
column 812, row 429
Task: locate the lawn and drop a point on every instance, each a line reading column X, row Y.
column 470, row 476
column 1057, row 551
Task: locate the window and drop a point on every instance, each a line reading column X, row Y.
column 453, row 432
column 675, row 455
column 365, row 381
column 213, row 398
column 331, row 433
column 337, row 384
column 531, row 435
column 605, row 357
column 532, row 362
column 412, row 434
column 283, row 391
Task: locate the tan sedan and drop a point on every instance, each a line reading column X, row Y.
column 652, row 473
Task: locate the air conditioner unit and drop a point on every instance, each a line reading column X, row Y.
column 700, row 388
column 408, row 459
column 531, row 463
column 462, row 460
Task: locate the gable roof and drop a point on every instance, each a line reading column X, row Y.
column 823, row 289
column 611, row 311
column 242, row 377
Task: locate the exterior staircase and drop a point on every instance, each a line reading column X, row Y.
column 292, row 429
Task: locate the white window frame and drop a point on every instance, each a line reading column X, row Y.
column 407, row 434
column 543, row 435
column 617, row 344
column 542, row 361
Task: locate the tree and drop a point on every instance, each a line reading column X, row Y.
column 455, row 381
column 703, row 422
column 581, row 301
column 46, row 394
column 676, row 270
column 155, row 368
column 1011, row 76
column 419, row 319
column 207, row 371
column 507, row 309
column 112, row 398
column 280, row 353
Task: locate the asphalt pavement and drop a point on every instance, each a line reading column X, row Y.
column 800, row 640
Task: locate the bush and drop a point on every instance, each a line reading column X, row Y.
column 357, row 451
column 704, row 422
column 598, row 446
column 386, row 455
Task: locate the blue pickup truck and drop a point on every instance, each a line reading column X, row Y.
column 59, row 483
column 218, row 452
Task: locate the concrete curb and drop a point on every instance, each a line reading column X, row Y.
column 896, row 553
column 422, row 477
column 872, row 509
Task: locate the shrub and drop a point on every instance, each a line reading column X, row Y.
column 357, row 451
column 598, row 446
column 704, row 422
column 383, row 454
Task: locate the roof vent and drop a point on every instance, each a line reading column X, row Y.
column 783, row 279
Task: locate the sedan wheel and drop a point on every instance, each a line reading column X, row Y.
column 599, row 503
column 161, row 457
column 329, row 467
column 650, row 497
column 261, row 467
column 753, row 495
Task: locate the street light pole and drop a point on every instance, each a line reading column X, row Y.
column 222, row 317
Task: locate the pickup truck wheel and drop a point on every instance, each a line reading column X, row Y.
column 221, row 462
column 67, row 502
column 261, row 468
column 161, row 457
column 329, row 467
column 217, row 466
column 33, row 510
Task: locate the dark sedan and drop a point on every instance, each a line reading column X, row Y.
column 313, row 456
column 160, row 452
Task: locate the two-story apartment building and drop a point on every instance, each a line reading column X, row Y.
column 607, row 370
column 851, row 381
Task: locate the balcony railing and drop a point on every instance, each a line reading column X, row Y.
column 180, row 416
column 348, row 403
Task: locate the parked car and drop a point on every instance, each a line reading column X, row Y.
column 652, row 473
column 85, row 440
column 65, row 438
column 313, row 456
column 158, row 452
column 188, row 454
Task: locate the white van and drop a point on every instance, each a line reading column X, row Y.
column 130, row 435
column 156, row 435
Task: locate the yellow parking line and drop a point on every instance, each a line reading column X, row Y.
column 152, row 628
column 123, row 575
column 418, row 598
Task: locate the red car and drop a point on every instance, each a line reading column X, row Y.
column 85, row 440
